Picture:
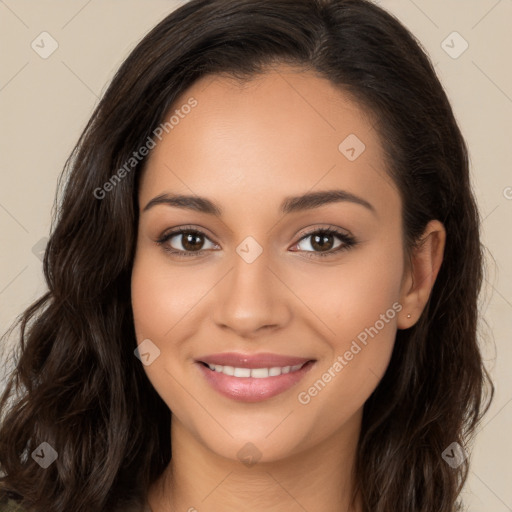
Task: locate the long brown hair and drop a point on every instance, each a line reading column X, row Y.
column 77, row 384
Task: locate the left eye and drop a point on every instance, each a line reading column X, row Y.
column 321, row 240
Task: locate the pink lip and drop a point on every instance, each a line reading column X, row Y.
column 263, row 360
column 250, row 389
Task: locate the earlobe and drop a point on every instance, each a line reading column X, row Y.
column 421, row 274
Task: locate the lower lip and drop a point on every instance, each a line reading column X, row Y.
column 249, row 389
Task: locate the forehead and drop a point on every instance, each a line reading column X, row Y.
column 284, row 132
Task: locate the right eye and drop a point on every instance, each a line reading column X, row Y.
column 189, row 243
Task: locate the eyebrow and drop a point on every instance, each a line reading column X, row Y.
column 292, row 204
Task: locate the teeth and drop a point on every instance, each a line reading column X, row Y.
column 239, row 372
column 257, row 373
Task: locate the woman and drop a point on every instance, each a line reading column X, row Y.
column 266, row 264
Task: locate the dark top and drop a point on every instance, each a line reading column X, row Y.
column 8, row 505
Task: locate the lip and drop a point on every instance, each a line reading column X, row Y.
column 250, row 389
column 263, row 360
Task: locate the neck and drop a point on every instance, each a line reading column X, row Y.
column 199, row 480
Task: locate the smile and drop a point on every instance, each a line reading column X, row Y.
column 256, row 373
column 252, row 378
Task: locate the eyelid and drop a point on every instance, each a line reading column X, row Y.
column 178, row 230
column 307, row 231
column 171, row 233
column 325, row 228
column 345, row 236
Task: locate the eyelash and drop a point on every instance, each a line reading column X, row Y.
column 348, row 242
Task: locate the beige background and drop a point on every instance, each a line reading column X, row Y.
column 45, row 104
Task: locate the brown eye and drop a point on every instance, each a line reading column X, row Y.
column 184, row 242
column 323, row 242
column 192, row 241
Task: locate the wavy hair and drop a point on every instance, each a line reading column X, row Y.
column 76, row 383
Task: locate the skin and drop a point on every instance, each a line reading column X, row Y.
column 247, row 147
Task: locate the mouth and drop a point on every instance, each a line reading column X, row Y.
column 253, row 378
column 255, row 373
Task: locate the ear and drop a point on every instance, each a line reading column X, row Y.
column 420, row 273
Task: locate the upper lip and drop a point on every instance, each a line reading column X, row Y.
column 263, row 360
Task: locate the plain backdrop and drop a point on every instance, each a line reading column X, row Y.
column 46, row 100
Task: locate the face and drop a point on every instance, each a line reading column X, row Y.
column 262, row 275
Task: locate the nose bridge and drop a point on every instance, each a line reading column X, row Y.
column 249, row 297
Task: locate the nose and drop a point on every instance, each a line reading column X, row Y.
column 251, row 299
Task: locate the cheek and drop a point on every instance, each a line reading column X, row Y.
column 360, row 305
column 168, row 304
column 162, row 295
column 161, row 299
column 370, row 289
column 369, row 313
column 351, row 295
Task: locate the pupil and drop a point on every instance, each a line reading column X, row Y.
column 319, row 241
column 190, row 246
